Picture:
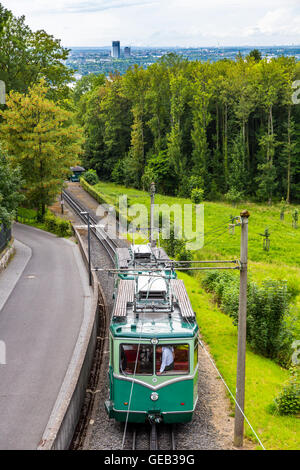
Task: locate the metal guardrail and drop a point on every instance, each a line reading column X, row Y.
column 5, row 237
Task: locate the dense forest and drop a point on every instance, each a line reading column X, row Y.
column 228, row 128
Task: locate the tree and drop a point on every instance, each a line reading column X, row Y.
column 179, row 98
column 27, row 56
column 10, row 195
column 201, row 97
column 40, row 138
column 134, row 88
column 255, row 54
column 226, row 124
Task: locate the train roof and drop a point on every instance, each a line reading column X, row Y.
column 139, row 255
column 136, row 315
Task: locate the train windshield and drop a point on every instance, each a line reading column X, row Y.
column 136, row 359
column 172, row 359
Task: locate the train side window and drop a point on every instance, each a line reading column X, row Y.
column 130, row 365
column 172, row 359
column 196, row 353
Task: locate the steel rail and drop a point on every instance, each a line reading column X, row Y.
column 102, row 237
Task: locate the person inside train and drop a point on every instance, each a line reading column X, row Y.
column 167, row 358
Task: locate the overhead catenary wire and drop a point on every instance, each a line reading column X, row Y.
column 229, row 391
column 135, row 368
column 231, row 394
column 213, row 239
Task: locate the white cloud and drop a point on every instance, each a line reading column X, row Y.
column 281, row 20
column 164, row 22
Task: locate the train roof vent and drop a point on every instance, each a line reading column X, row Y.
column 149, row 287
column 125, row 294
column 141, row 252
column 179, row 291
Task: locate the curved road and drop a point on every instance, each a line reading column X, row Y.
column 39, row 324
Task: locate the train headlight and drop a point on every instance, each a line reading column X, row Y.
column 154, row 396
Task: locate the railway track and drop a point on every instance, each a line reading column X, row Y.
column 108, row 244
column 155, row 437
column 161, row 437
column 109, row 247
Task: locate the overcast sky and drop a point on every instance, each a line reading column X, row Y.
column 164, row 22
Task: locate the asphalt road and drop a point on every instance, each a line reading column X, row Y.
column 39, row 324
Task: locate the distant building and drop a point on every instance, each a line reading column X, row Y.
column 116, row 50
column 127, row 52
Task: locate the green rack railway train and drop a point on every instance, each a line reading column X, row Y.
column 153, row 364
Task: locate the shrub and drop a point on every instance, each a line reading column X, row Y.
column 267, row 307
column 50, row 223
column 288, row 401
column 63, row 228
column 59, row 227
column 233, row 196
column 267, row 329
column 118, row 172
column 184, row 255
column 176, row 248
column 197, row 195
column 91, row 177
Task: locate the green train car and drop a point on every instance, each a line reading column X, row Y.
column 153, row 366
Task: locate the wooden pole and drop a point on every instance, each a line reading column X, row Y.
column 241, row 358
column 89, row 248
column 152, row 240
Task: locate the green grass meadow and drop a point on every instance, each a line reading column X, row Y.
column 264, row 378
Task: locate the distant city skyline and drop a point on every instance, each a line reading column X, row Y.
column 164, row 23
column 116, row 49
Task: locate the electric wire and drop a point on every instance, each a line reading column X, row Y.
column 136, row 362
column 228, row 389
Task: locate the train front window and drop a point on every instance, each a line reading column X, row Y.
column 172, row 359
column 136, row 359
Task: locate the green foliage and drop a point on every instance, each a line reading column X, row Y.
column 51, row 223
column 255, row 54
column 229, row 124
column 233, row 196
column 172, row 244
column 118, row 172
column 197, row 195
column 59, row 227
column 10, row 186
column 42, row 140
column 263, row 376
column 91, row 177
column 268, row 309
column 288, row 401
column 27, row 56
column 183, row 254
column 158, row 169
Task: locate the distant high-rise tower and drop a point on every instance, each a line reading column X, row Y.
column 127, row 52
column 116, row 50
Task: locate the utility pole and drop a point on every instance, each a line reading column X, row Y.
column 152, row 192
column 241, row 359
column 62, row 202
